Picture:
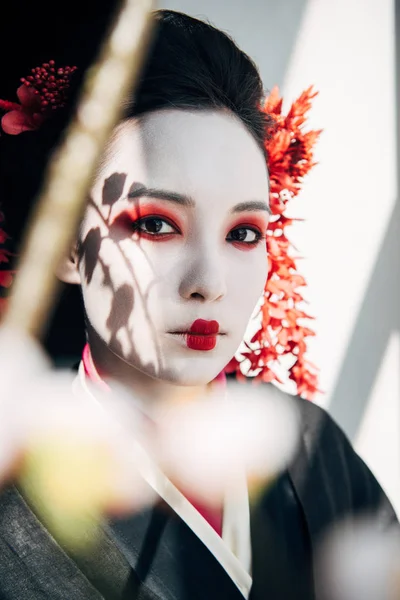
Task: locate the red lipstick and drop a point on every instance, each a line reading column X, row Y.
column 202, row 335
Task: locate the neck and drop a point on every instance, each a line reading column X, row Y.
column 154, row 392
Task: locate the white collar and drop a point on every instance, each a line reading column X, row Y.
column 233, row 549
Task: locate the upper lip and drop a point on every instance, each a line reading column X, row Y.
column 180, row 331
column 201, row 327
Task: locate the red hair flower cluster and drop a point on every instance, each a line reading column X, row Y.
column 283, row 331
column 41, row 92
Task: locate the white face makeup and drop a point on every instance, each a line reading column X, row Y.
column 175, row 232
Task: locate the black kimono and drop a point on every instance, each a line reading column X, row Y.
column 154, row 555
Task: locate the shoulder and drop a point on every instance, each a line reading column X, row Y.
column 330, row 480
column 329, row 476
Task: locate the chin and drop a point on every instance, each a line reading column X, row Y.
column 192, row 371
column 178, row 365
column 191, row 367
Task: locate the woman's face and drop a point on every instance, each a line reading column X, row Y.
column 174, row 232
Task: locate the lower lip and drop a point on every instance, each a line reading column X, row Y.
column 200, row 342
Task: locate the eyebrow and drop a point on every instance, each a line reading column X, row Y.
column 145, row 192
column 253, row 205
column 184, row 200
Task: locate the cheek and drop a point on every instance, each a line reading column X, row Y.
column 129, row 286
column 249, row 275
column 135, row 264
column 152, row 267
column 108, row 263
column 121, row 294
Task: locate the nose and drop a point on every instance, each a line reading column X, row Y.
column 204, row 278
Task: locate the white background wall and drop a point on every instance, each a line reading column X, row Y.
column 351, row 236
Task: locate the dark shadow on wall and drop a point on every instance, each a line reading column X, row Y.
column 379, row 315
column 371, row 334
column 266, row 29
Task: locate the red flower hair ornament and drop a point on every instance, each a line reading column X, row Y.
column 43, row 91
column 283, row 330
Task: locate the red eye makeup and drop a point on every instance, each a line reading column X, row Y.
column 157, row 222
column 150, row 221
column 246, row 234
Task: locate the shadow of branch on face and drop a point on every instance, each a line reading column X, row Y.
column 88, row 252
column 122, row 299
column 118, row 235
column 113, row 188
column 123, row 296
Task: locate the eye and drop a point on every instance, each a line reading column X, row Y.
column 244, row 235
column 154, row 226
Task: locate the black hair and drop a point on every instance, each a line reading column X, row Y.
column 190, row 65
column 193, row 65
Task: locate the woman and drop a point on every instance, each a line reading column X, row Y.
column 170, row 259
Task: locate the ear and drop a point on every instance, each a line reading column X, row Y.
column 68, row 269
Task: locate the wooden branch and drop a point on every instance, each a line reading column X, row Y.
column 60, row 206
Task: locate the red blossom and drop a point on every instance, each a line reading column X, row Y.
column 6, row 275
column 4, row 255
column 283, row 332
column 41, row 92
column 3, row 236
column 6, row 278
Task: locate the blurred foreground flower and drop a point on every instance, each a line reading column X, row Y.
column 360, row 562
column 80, row 462
column 206, row 445
column 84, row 455
column 75, row 461
column 21, row 360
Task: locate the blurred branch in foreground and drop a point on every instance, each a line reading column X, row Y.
column 64, row 193
column 39, row 450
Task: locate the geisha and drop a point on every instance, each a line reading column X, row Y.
column 171, row 261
